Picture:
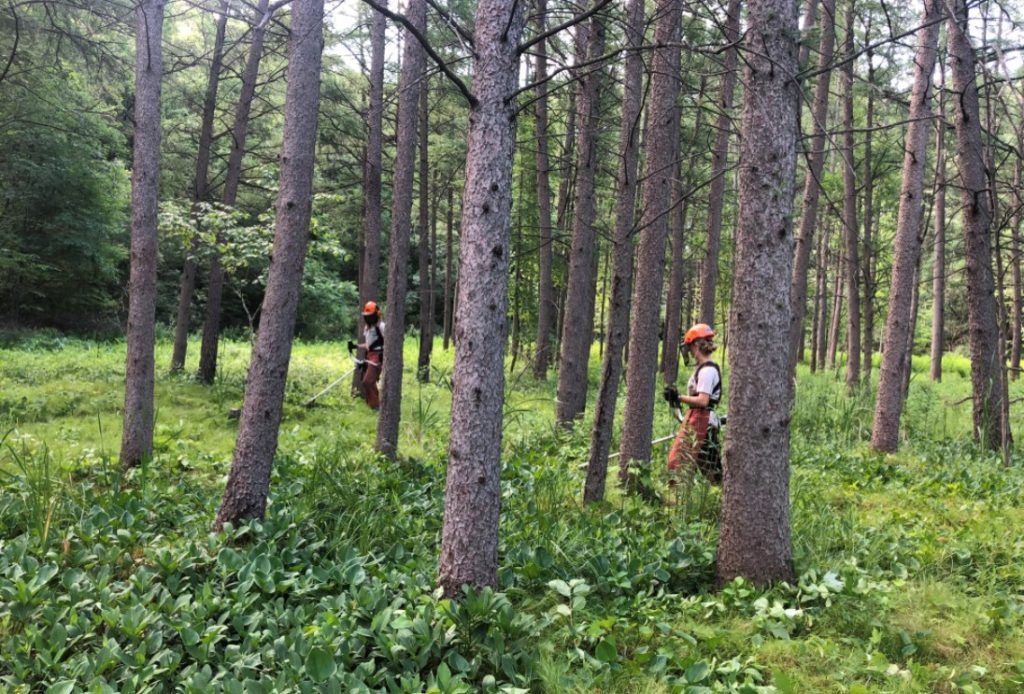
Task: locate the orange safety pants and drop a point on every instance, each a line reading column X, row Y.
column 371, row 374
column 690, row 447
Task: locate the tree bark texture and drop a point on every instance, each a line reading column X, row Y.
column 808, row 23
column 545, row 281
column 566, row 164
column 823, row 322
column 369, row 289
column 410, row 83
column 660, row 138
column 578, row 327
column 137, row 435
column 850, row 226
column 426, row 291
column 622, row 256
column 812, row 183
column 1015, row 250
column 432, row 298
column 908, row 352
column 677, row 265
column 448, row 277
column 469, row 537
column 868, row 254
column 820, row 305
column 939, row 242
column 754, row 537
column 245, row 495
column 984, row 339
column 239, row 132
column 674, row 296
column 369, row 268
column 837, row 313
column 907, row 245
column 719, row 164
column 200, row 193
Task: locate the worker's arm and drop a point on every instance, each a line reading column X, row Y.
column 698, row 400
column 673, row 398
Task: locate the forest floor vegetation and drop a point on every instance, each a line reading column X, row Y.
column 911, row 566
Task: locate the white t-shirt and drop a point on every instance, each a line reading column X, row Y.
column 373, row 336
column 705, row 381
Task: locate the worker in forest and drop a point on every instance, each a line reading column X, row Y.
column 374, row 350
column 697, row 442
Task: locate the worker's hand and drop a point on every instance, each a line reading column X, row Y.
column 671, row 395
column 351, row 346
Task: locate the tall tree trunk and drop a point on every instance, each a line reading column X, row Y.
column 660, row 140
column 369, row 289
column 837, row 312
column 239, row 132
column 677, row 231
column 566, row 188
column 449, row 250
column 867, row 276
column 907, row 251
column 622, row 257
column 850, row 226
column 433, row 255
column 823, row 322
column 200, row 193
column 939, row 243
column 719, row 163
column 815, row 313
column 546, row 287
column 245, row 495
column 137, row 436
column 674, row 296
column 426, row 326
column 754, row 538
column 603, row 326
column 986, row 357
column 567, row 168
column 820, row 305
column 1015, row 250
column 469, row 537
column 369, row 263
column 516, row 247
column 807, row 24
column 1001, row 317
column 908, row 352
column 812, row 183
column 410, row 83
column 578, row 327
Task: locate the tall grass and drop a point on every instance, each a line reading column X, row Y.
column 39, row 487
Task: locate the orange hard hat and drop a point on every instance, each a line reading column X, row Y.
column 697, row 332
column 370, row 308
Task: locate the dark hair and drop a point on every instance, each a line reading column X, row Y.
column 705, row 345
column 371, row 319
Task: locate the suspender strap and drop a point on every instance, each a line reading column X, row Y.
column 716, row 395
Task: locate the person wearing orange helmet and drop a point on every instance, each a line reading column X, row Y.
column 696, row 442
column 374, row 348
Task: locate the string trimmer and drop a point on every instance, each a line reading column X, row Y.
column 359, row 363
column 333, row 384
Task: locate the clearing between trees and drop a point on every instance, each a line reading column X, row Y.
column 910, row 567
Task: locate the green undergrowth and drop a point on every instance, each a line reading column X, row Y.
column 911, row 567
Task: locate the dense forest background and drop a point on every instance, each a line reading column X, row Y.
column 66, row 144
